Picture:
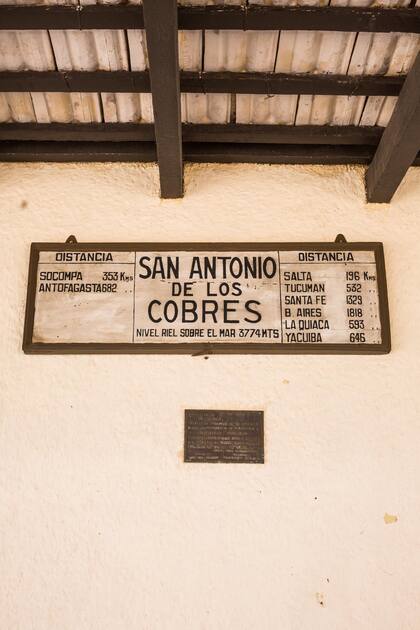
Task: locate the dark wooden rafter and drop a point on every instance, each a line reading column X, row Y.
column 74, row 81
column 278, row 153
column 193, row 152
column 402, row 20
column 207, row 82
column 222, row 133
column 77, row 151
column 399, row 144
column 160, row 19
column 282, row 134
column 300, row 18
column 281, row 83
column 53, row 17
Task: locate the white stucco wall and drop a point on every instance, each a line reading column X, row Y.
column 102, row 526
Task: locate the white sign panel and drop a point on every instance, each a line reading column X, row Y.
column 268, row 297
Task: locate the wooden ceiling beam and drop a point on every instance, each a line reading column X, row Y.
column 281, row 83
column 282, row 134
column 74, row 81
column 402, row 19
column 77, row 151
column 161, row 23
column 222, row 133
column 277, row 154
column 53, row 17
column 21, row 151
column 399, row 144
column 306, row 18
column 207, row 82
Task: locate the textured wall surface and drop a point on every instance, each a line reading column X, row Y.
column 102, row 527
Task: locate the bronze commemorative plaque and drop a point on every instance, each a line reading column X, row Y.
column 231, row 437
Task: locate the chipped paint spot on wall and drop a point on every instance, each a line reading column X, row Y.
column 390, row 518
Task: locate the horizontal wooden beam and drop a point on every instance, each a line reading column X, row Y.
column 77, row 152
column 282, row 134
column 78, row 132
column 281, row 83
column 406, row 20
column 279, row 154
column 206, row 82
column 74, row 81
column 52, row 17
column 21, row 151
column 403, row 20
column 399, row 144
column 223, row 133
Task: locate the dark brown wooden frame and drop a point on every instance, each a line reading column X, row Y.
column 225, row 132
column 195, row 349
column 399, row 144
column 364, row 19
column 206, row 82
column 161, row 23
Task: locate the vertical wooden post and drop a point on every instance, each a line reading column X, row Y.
column 399, row 144
column 161, row 24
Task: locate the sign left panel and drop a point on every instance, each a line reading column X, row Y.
column 85, row 280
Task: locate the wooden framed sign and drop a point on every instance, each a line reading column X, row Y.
column 207, row 298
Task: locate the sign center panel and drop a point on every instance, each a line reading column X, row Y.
column 207, row 296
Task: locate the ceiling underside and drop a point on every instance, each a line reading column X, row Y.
column 345, row 79
column 344, row 53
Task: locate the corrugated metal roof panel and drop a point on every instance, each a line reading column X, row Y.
column 206, row 108
column 338, row 53
column 107, row 50
column 25, row 50
column 190, row 44
column 284, row 51
column 74, row 50
column 382, row 53
column 29, row 50
column 233, row 51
